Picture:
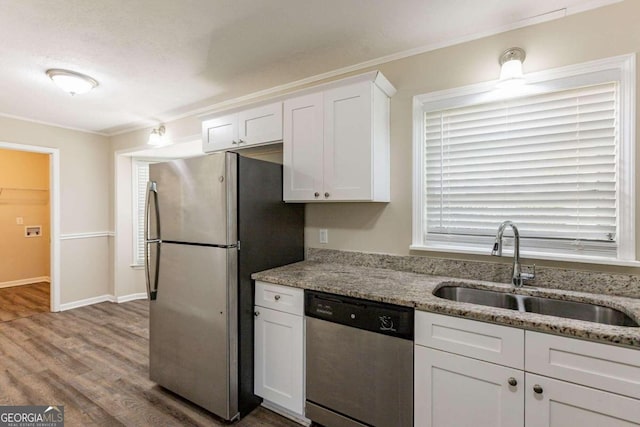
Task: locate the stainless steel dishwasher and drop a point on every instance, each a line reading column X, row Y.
column 359, row 357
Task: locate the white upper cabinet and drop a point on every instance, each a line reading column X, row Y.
column 302, row 147
column 336, row 142
column 220, row 133
column 259, row 125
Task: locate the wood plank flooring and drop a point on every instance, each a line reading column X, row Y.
column 24, row 301
column 94, row 361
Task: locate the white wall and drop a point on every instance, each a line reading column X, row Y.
column 386, row 228
column 84, row 181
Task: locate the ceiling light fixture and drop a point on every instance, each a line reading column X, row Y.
column 157, row 136
column 72, row 82
column 511, row 72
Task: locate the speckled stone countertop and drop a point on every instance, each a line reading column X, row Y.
column 416, row 290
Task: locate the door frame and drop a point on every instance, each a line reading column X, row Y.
column 54, row 211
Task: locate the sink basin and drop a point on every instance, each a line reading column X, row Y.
column 478, row 296
column 540, row 305
column 577, row 310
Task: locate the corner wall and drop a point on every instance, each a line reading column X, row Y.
column 84, row 204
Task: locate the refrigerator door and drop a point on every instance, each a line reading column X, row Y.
column 193, row 326
column 197, row 199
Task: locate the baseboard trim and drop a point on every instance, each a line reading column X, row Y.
column 23, row 282
column 100, row 299
column 84, row 302
column 131, row 297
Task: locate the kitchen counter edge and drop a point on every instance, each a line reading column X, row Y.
column 416, row 290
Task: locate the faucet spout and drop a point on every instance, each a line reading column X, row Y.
column 517, row 276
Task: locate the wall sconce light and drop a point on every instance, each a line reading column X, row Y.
column 72, row 82
column 157, row 136
column 511, row 67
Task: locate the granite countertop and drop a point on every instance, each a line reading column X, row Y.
column 416, row 290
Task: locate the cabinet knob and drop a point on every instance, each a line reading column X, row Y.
column 256, row 313
column 512, row 381
column 537, row 389
column 316, row 194
column 240, row 141
column 234, row 142
column 277, row 297
column 326, row 194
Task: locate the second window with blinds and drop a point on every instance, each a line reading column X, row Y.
column 556, row 158
column 140, row 175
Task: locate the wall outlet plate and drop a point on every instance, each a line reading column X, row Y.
column 324, row 236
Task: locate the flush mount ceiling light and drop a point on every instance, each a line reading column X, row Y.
column 72, row 82
column 511, row 62
column 157, row 136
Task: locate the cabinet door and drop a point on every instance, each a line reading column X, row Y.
column 220, row 133
column 592, row 364
column 348, row 143
column 302, row 146
column 279, row 375
column 562, row 404
column 261, row 124
column 457, row 391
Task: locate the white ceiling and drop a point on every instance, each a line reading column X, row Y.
column 156, row 59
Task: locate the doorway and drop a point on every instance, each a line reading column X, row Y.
column 29, row 226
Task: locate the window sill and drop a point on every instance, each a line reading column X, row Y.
column 530, row 255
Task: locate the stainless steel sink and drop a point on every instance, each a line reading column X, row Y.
column 577, row 310
column 540, row 305
column 478, row 296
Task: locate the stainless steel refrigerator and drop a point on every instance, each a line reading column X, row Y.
column 212, row 221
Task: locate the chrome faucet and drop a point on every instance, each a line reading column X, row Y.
column 517, row 276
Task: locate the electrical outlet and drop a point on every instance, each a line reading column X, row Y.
column 324, row 236
column 19, row 220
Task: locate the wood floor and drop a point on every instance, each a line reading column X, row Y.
column 94, row 361
column 24, row 301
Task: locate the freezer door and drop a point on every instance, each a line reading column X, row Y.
column 197, row 199
column 193, row 326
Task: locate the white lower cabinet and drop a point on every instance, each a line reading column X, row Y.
column 457, row 391
column 553, row 403
column 279, row 349
column 596, row 385
column 278, row 336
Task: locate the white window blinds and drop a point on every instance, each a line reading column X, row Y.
column 141, row 176
column 546, row 162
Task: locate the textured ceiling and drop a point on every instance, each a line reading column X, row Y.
column 155, row 59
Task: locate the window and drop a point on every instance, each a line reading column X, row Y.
column 556, row 158
column 140, row 176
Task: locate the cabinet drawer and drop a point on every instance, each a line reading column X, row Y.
column 601, row 366
column 492, row 343
column 282, row 298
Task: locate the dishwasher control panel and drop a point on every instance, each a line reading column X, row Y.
column 387, row 319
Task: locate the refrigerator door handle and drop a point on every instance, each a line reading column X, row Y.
column 151, row 191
